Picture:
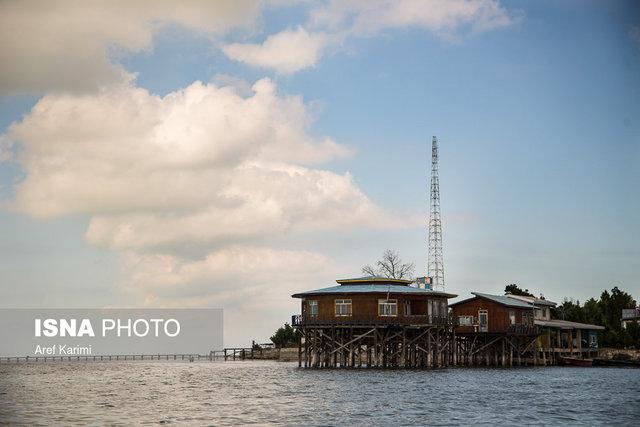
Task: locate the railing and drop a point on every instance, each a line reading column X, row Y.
column 299, row 320
column 213, row 355
column 523, row 329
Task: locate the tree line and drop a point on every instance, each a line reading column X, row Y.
column 605, row 311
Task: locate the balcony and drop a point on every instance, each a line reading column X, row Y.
column 299, row 320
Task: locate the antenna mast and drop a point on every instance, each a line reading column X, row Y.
column 435, row 264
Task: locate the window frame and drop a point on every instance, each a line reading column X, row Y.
column 384, row 302
column 343, row 303
column 407, row 308
column 310, row 304
column 468, row 318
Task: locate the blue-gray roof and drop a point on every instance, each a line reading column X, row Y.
column 373, row 289
column 374, row 279
column 500, row 299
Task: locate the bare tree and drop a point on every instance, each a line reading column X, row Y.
column 390, row 266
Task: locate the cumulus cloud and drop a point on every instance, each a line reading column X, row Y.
column 193, row 188
column 203, row 164
column 286, row 52
column 253, row 284
column 65, row 44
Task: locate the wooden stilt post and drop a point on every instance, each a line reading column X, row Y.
column 300, row 351
column 429, row 351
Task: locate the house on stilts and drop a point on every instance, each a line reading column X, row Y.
column 375, row 322
column 391, row 323
column 513, row 329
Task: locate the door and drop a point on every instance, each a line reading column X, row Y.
column 483, row 320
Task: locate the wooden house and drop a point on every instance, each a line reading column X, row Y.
column 493, row 314
column 374, row 322
column 372, row 300
column 500, row 324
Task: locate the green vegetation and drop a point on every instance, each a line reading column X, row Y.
column 285, row 336
column 514, row 289
column 607, row 312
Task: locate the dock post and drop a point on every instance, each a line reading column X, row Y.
column 429, row 352
column 510, row 353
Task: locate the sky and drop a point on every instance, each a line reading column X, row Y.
column 230, row 154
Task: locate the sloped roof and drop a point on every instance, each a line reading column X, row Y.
column 534, row 300
column 373, row 289
column 500, row 299
column 565, row 324
column 374, row 279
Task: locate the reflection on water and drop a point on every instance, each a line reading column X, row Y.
column 279, row 393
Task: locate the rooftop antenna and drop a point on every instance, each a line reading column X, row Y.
column 435, row 264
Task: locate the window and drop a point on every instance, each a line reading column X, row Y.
column 407, row 308
column 343, row 307
column 387, row 307
column 483, row 320
column 430, row 308
column 313, row 308
column 593, row 339
column 527, row 318
column 465, row 320
column 512, row 317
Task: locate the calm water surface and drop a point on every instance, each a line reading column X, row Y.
column 241, row 393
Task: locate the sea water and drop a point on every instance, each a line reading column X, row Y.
column 259, row 392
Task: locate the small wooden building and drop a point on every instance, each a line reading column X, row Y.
column 493, row 314
column 499, row 329
column 494, row 330
column 559, row 338
column 374, row 321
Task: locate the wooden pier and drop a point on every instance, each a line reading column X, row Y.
column 227, row 354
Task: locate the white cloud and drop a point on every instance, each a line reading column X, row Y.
column 253, row 284
column 336, row 21
column 65, row 44
column 193, row 188
column 202, row 165
column 445, row 17
column 286, row 52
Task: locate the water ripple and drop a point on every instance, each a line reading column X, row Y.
column 240, row 393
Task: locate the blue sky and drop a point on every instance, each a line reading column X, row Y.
column 538, row 120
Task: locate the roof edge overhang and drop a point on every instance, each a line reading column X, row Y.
column 535, row 301
column 390, row 292
column 564, row 324
column 374, row 279
column 480, row 295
